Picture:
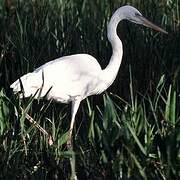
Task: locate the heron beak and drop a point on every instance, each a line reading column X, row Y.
column 149, row 24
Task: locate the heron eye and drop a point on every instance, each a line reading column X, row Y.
column 136, row 14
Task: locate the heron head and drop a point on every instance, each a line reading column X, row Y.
column 132, row 14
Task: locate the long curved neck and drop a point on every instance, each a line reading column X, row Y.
column 110, row 72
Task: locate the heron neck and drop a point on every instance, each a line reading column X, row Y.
column 110, row 72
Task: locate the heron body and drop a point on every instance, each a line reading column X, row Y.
column 67, row 77
column 75, row 77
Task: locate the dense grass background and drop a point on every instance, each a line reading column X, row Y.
column 130, row 132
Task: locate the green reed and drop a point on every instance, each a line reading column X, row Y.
column 129, row 132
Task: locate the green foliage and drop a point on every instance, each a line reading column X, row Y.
column 133, row 133
column 136, row 141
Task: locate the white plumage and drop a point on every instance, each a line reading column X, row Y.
column 73, row 78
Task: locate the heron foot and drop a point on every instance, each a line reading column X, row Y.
column 74, row 177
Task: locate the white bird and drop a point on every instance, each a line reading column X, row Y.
column 75, row 77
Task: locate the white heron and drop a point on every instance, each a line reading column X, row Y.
column 75, row 77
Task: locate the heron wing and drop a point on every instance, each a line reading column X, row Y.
column 63, row 78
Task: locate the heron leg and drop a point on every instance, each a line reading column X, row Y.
column 74, row 109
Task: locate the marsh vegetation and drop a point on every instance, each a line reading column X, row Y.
column 132, row 131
